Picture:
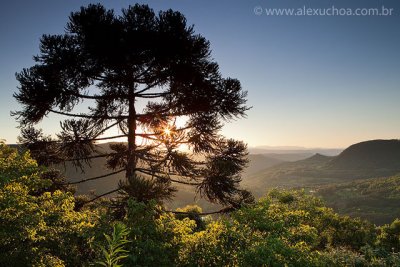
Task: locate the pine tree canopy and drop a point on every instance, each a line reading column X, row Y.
column 141, row 73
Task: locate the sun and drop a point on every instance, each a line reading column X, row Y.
column 167, row 131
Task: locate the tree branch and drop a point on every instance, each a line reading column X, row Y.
column 107, row 138
column 224, row 210
column 95, row 97
column 148, row 87
column 102, row 195
column 93, row 157
column 96, row 177
column 152, row 95
column 161, row 177
column 88, row 116
column 144, row 72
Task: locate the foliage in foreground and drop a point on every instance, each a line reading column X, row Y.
column 40, row 227
column 115, row 251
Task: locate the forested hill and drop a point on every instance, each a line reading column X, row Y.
column 376, row 158
column 369, row 155
column 376, row 199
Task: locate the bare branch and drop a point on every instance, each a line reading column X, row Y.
column 224, row 210
column 95, row 178
column 152, row 95
column 109, row 137
column 120, row 117
column 144, row 72
column 93, row 157
column 148, row 87
column 148, row 172
column 110, row 126
column 102, row 195
column 95, row 97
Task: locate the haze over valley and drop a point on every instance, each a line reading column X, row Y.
column 361, row 165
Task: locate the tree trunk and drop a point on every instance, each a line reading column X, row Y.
column 131, row 160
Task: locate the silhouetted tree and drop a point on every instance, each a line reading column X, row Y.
column 137, row 72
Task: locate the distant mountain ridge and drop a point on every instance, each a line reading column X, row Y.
column 374, row 154
column 294, row 150
column 369, row 159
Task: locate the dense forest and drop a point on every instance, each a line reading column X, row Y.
column 375, row 199
column 42, row 225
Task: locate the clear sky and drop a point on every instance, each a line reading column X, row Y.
column 313, row 81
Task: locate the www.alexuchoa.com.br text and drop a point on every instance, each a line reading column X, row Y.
column 330, row 11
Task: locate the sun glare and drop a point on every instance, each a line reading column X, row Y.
column 167, row 131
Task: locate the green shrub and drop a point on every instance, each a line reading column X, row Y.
column 38, row 227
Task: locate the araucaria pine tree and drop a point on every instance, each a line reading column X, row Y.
column 151, row 77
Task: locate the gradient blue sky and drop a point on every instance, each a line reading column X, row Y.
column 313, row 81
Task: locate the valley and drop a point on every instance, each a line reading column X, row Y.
column 361, row 181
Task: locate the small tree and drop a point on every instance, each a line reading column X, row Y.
column 138, row 72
